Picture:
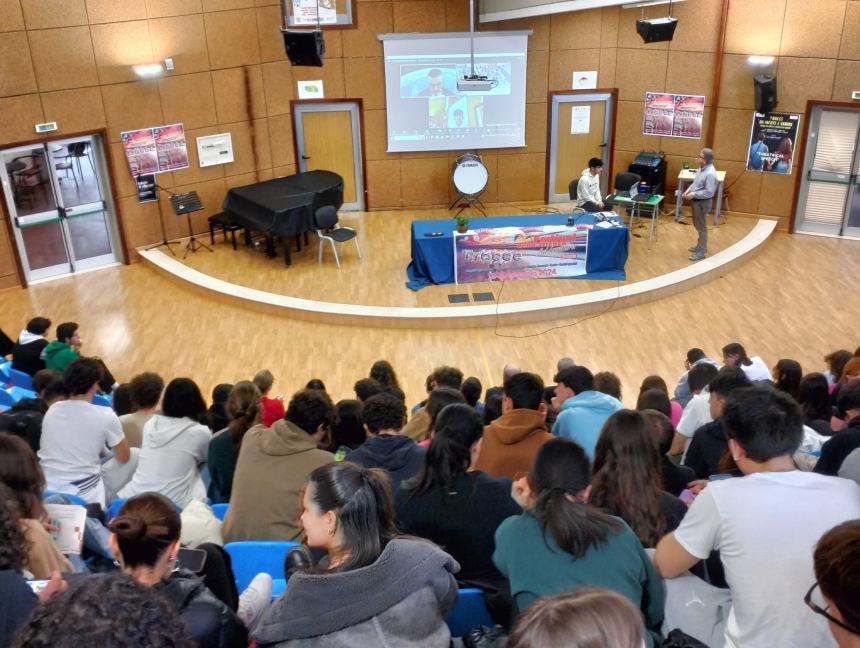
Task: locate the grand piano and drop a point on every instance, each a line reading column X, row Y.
column 284, row 206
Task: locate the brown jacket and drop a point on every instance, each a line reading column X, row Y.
column 511, row 443
column 418, row 427
column 270, row 472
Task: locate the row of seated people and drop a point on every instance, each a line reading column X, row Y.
column 446, row 480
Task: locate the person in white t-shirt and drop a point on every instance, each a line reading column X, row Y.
column 764, row 524
column 697, row 412
column 76, row 435
column 175, row 444
column 734, row 355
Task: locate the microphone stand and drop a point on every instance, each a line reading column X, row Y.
column 164, row 241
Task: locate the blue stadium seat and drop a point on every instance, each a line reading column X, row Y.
column 251, row 557
column 113, row 508
column 20, row 379
column 470, row 611
column 102, row 400
column 6, row 398
column 19, row 393
column 74, row 499
column 220, row 510
column 4, row 370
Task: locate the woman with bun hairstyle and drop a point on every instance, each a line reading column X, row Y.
column 145, row 540
column 460, row 508
column 243, row 411
column 374, row 588
column 561, row 542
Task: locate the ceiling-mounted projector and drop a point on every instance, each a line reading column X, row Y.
column 476, row 84
column 655, row 30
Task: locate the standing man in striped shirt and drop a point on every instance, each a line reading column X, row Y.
column 701, row 194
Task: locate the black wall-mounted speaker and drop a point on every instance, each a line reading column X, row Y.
column 765, row 92
column 654, row 30
column 304, row 47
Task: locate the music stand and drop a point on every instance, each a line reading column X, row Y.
column 185, row 203
column 164, row 241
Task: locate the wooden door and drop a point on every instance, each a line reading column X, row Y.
column 328, row 137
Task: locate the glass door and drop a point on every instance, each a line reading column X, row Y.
column 60, row 206
column 829, row 200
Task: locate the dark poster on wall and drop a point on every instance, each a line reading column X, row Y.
column 146, row 189
column 772, row 141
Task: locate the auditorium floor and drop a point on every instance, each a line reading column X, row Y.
column 796, row 298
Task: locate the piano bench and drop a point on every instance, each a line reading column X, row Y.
column 224, row 222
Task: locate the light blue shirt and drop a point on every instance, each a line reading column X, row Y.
column 704, row 184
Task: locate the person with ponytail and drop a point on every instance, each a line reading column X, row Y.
column 561, row 542
column 175, row 444
column 373, row 587
column 243, row 412
column 460, row 508
column 627, row 480
column 145, row 542
column 734, row 355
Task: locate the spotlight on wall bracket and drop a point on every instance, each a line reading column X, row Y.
column 656, row 30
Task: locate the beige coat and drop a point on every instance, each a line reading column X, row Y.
column 270, row 472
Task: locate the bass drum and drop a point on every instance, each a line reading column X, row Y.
column 469, row 174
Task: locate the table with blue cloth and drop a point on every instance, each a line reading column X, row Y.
column 433, row 256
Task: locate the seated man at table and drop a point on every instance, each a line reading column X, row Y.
column 588, row 189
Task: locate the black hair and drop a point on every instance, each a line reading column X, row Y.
column 608, row 383
column 525, row 390
column 736, row 348
column 384, row 374
column 440, row 398
column 348, row 431
column 383, row 412
column 42, row 377
column 577, row 378
column 654, row 399
column 182, row 398
column 699, row 376
column 727, row 380
column 109, row 610
column 595, row 162
column 13, row 544
column 315, row 383
column 55, row 389
column 447, row 377
column 837, row 569
column 560, row 472
column 493, row 404
column 458, row 428
column 146, row 389
column 694, row 355
column 38, row 325
column 221, row 393
column 81, row 375
column 145, row 527
column 471, row 390
column 813, row 395
column 849, row 398
column 361, row 500
column 788, row 375
column 309, row 409
column 121, row 400
column 66, row 331
column 366, row 387
column 766, row 423
column 396, row 391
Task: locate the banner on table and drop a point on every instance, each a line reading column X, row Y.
column 673, row 115
column 772, row 141
column 155, row 150
column 507, row 253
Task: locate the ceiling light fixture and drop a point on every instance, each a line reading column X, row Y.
column 147, row 71
column 759, row 60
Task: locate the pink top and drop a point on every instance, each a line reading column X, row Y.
column 676, row 412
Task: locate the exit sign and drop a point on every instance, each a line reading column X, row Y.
column 856, row 95
column 47, row 127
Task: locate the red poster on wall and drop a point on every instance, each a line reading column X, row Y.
column 155, row 150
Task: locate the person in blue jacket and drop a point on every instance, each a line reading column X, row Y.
column 582, row 410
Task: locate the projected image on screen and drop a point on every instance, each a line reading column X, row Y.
column 427, row 112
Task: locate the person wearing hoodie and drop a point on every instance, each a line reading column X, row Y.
column 511, row 441
column 387, row 446
column 66, row 348
column 175, row 444
column 27, row 352
column 588, row 189
column 709, row 442
column 582, row 410
column 144, row 541
column 374, row 588
column 272, row 467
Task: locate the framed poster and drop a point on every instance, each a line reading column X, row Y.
column 772, row 141
column 673, row 115
column 325, row 13
column 215, row 149
column 156, row 149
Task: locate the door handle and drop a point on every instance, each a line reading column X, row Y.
column 604, row 145
column 306, row 157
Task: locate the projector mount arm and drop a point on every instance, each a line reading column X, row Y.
column 474, row 82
